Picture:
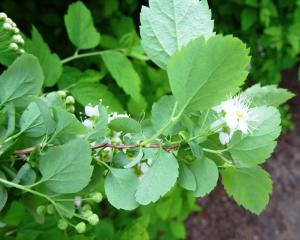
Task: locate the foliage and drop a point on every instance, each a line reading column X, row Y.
column 66, row 141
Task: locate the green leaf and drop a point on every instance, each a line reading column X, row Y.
column 120, row 187
column 7, row 121
column 126, row 125
column 267, row 96
column 186, row 178
column 80, row 26
column 67, row 126
column 67, row 168
column 23, row 78
column 159, row 179
column 206, row 174
column 209, row 71
column 90, row 93
column 100, row 128
column 3, row 193
column 26, row 175
column 250, row 187
column 50, row 62
column 123, row 72
column 162, row 111
column 166, row 26
column 136, row 160
column 249, row 17
column 257, row 146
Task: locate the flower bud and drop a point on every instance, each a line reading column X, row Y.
column 86, row 207
column 13, row 46
column 50, row 209
column 7, row 26
column 16, row 30
column 62, row 94
column 93, row 219
column 40, row 210
column 62, row 224
column 70, row 100
column 96, row 197
column 80, row 227
column 3, row 16
column 18, row 39
column 71, row 109
column 87, row 213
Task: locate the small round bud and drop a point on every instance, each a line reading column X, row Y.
column 40, row 210
column 96, row 197
column 7, row 26
column 86, row 207
column 87, row 213
column 80, row 227
column 62, row 224
column 62, row 94
column 3, row 16
column 8, row 20
column 13, row 46
column 70, row 100
column 50, row 209
column 18, row 39
column 93, row 219
column 21, row 50
column 71, row 109
column 16, row 30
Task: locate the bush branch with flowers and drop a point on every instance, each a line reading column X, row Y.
column 207, row 127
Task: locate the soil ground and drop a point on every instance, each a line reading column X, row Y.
column 222, row 219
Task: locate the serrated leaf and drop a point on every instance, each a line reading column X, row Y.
column 120, row 187
column 67, row 168
column 91, row 93
column 186, row 178
column 209, row 71
column 161, row 113
column 269, row 95
column 67, row 126
column 159, row 179
column 80, row 26
column 166, row 26
column 256, row 147
column 206, row 174
column 123, row 72
column 50, row 62
column 250, row 187
column 126, row 125
column 24, row 77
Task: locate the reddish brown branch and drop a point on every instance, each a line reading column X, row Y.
column 23, row 152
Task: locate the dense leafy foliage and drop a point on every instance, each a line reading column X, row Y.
column 65, row 139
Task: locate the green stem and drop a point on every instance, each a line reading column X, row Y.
column 103, row 163
column 82, row 55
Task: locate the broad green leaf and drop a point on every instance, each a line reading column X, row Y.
column 186, row 178
column 126, row 125
column 249, row 16
column 166, row 26
column 91, row 93
column 250, row 187
column 7, row 121
column 80, row 26
column 159, row 179
column 267, row 96
column 69, row 77
column 162, row 111
column 256, row 147
column 50, row 62
column 209, row 71
column 67, row 126
column 24, row 77
column 67, row 168
column 120, row 187
column 3, row 192
column 137, row 230
column 123, row 72
column 136, row 160
column 206, row 174
column 26, row 175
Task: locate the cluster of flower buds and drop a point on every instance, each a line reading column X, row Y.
column 11, row 40
column 69, row 101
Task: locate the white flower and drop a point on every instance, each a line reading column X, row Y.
column 78, row 201
column 234, row 112
column 89, row 124
column 91, row 111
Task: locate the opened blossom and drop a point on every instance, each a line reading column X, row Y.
column 234, row 116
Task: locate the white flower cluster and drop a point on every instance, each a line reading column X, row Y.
column 233, row 116
column 93, row 113
column 11, row 33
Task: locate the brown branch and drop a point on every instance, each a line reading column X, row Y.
column 23, row 152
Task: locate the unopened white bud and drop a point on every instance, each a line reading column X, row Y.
column 70, row 100
column 21, row 50
column 7, row 26
column 18, row 39
column 13, row 46
column 3, row 16
column 8, row 20
column 16, row 30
